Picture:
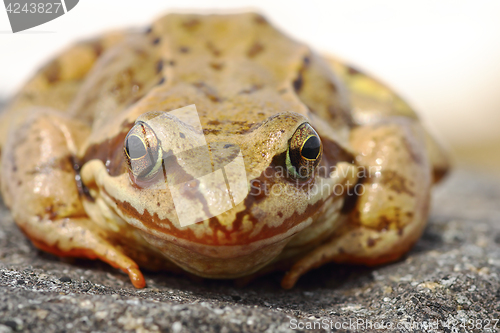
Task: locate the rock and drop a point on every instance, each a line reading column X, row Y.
column 451, row 276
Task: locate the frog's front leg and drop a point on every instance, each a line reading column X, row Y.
column 390, row 213
column 38, row 184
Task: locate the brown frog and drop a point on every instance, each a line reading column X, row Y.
column 335, row 167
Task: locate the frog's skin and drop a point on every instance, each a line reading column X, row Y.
column 65, row 177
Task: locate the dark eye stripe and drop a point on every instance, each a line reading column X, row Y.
column 311, row 148
column 135, row 147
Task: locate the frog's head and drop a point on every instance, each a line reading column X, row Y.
column 224, row 201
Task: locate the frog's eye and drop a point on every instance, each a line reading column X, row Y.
column 142, row 151
column 304, row 152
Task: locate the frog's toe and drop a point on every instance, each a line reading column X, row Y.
column 136, row 277
column 105, row 251
column 109, row 254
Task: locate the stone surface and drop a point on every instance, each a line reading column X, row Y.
column 451, row 275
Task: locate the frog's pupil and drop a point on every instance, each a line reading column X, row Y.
column 311, row 148
column 135, row 147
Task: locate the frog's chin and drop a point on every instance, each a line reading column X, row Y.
column 221, row 261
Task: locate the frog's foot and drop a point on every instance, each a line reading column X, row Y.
column 388, row 216
column 357, row 245
column 81, row 239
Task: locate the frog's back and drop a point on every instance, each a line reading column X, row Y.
column 237, row 69
column 233, row 60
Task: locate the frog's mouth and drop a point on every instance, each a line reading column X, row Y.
column 246, row 230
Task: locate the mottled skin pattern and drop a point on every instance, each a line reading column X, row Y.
column 64, row 175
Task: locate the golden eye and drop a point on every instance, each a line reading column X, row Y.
column 142, row 151
column 304, row 152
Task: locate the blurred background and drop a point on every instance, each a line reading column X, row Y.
column 442, row 56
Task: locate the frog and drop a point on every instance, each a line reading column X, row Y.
column 337, row 168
